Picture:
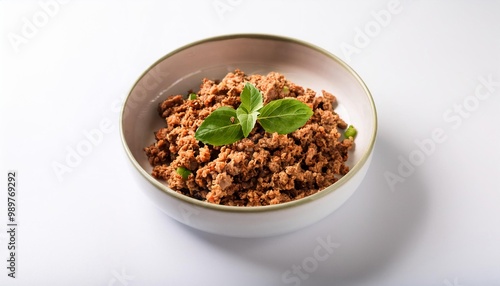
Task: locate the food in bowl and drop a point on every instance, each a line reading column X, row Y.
column 260, row 168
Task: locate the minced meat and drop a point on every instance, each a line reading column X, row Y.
column 262, row 169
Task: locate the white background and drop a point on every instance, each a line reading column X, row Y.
column 66, row 68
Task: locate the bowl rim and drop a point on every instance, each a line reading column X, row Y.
column 243, row 209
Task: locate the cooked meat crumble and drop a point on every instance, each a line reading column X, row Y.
column 262, row 169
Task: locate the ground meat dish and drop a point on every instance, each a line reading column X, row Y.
column 262, row 169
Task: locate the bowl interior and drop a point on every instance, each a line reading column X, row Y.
column 305, row 65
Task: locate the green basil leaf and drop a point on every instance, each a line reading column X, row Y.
column 221, row 127
column 247, row 120
column 251, row 98
column 284, row 115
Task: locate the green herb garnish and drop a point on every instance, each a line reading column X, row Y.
column 248, row 111
column 221, row 127
column 183, row 172
column 226, row 125
column 286, row 90
column 284, row 115
column 350, row 132
column 192, row 96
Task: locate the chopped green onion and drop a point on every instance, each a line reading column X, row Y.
column 286, row 90
column 192, row 96
column 350, row 132
column 183, row 172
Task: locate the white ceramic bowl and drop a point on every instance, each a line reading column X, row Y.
column 302, row 63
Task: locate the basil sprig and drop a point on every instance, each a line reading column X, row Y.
column 226, row 125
